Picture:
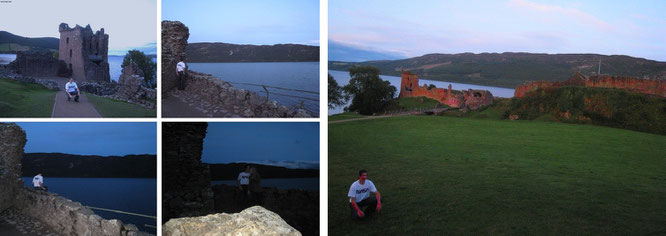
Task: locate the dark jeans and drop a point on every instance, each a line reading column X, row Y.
column 369, row 203
column 181, row 80
column 46, row 188
column 76, row 96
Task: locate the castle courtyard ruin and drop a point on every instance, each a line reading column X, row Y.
column 85, row 53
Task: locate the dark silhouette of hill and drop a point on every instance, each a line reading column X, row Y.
column 45, row 43
column 70, row 165
column 511, row 69
column 230, row 171
column 225, row 52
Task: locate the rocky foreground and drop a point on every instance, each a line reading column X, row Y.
column 251, row 221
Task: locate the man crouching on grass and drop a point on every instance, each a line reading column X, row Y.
column 359, row 196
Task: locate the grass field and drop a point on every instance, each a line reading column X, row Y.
column 345, row 116
column 448, row 175
column 118, row 109
column 19, row 99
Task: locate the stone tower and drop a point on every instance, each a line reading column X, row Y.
column 85, row 52
column 408, row 83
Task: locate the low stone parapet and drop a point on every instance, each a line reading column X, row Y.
column 68, row 217
column 212, row 93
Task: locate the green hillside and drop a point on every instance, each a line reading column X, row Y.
column 511, row 69
column 452, row 176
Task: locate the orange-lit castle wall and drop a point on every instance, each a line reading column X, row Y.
column 644, row 86
column 473, row 99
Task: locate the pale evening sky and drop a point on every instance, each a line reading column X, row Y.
column 259, row 22
column 129, row 23
column 634, row 28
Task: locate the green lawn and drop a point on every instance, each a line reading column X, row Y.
column 19, row 99
column 118, row 109
column 448, row 175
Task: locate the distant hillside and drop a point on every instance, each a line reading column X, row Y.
column 231, row 171
column 11, row 43
column 511, row 69
column 341, row 52
column 70, row 165
column 225, row 52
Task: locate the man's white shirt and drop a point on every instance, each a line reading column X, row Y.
column 38, row 179
column 71, row 87
column 361, row 191
column 244, row 178
column 180, row 66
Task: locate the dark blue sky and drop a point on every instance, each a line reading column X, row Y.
column 91, row 138
column 289, row 144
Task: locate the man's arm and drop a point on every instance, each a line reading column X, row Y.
column 379, row 201
column 67, row 92
column 358, row 211
column 78, row 92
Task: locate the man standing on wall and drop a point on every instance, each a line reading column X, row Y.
column 38, row 182
column 359, row 196
column 244, row 181
column 181, row 68
column 72, row 90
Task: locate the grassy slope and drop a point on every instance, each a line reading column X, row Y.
column 25, row 99
column 345, row 116
column 113, row 108
column 457, row 175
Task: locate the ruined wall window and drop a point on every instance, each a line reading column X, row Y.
column 67, row 40
column 70, row 66
column 70, row 53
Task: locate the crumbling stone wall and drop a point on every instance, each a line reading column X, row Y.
column 174, row 41
column 299, row 208
column 186, row 181
column 636, row 85
column 472, row 99
column 132, row 87
column 39, row 63
column 216, row 94
column 12, row 141
column 85, row 53
column 69, row 218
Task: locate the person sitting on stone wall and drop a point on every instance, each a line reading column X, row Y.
column 359, row 197
column 255, row 187
column 181, row 68
column 38, row 182
column 72, row 90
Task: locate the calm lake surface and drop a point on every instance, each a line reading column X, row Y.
column 125, row 194
column 292, row 183
column 342, row 77
column 290, row 75
column 7, row 58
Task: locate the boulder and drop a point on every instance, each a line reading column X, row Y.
column 255, row 220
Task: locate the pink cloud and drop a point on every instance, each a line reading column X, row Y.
column 569, row 12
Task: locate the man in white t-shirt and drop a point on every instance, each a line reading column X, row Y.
column 244, row 180
column 72, row 90
column 38, row 182
column 180, row 71
column 359, row 196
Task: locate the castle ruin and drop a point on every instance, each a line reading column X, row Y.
column 85, row 53
column 635, row 85
column 472, row 99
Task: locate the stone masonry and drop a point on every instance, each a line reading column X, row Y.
column 39, row 63
column 644, row 86
column 12, row 140
column 186, row 187
column 174, row 41
column 471, row 99
column 85, row 53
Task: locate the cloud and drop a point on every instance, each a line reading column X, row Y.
column 569, row 12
